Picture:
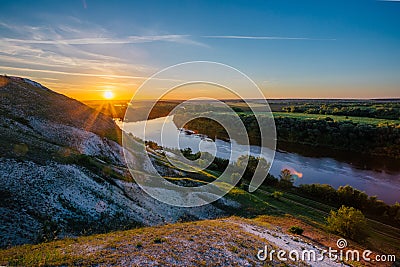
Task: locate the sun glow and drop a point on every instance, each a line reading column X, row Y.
column 108, row 95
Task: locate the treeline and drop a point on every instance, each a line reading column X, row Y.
column 143, row 110
column 350, row 197
column 381, row 140
column 384, row 111
column 217, row 164
column 324, row 193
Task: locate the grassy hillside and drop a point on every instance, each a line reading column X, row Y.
column 61, row 175
column 232, row 241
column 204, row 243
column 21, row 99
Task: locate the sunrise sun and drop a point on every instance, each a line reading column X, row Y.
column 108, row 95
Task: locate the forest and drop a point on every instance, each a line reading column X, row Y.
column 386, row 110
column 366, row 135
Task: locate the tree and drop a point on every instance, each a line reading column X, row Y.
column 153, row 145
column 277, row 195
column 345, row 194
column 320, row 192
column 348, row 222
column 286, row 179
column 394, row 211
column 251, row 165
column 188, row 153
column 270, row 180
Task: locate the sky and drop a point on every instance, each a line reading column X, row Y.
column 291, row 49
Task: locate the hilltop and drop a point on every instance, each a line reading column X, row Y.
column 63, row 171
column 230, row 241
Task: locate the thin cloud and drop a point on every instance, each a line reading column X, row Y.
column 68, row 47
column 57, row 50
column 102, row 40
column 82, row 74
column 75, row 54
column 83, row 34
column 264, row 37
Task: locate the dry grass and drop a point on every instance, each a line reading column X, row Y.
column 203, row 243
column 222, row 242
column 315, row 235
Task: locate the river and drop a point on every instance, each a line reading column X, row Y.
column 382, row 182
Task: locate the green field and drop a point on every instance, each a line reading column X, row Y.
column 364, row 120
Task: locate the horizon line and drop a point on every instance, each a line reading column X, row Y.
column 240, row 99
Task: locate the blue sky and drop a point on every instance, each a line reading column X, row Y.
column 310, row 49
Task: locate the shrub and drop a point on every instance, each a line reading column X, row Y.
column 153, row 145
column 348, row 222
column 296, row 230
column 270, row 180
column 277, row 194
column 320, row 192
column 252, row 164
column 286, row 179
